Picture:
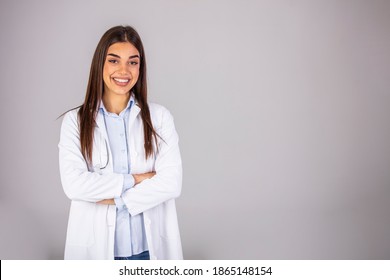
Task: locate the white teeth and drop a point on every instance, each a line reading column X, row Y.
column 121, row 80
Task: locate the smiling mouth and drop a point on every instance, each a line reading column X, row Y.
column 121, row 82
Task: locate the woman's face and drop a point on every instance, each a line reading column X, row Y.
column 121, row 69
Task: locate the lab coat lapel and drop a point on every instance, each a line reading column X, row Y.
column 133, row 114
column 101, row 125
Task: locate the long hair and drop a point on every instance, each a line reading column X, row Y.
column 89, row 109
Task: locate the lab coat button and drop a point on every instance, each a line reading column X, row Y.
column 153, row 257
column 147, row 222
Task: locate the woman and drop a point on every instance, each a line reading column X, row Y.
column 120, row 162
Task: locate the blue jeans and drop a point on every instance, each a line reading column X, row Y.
column 142, row 256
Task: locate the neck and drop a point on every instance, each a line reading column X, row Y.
column 115, row 103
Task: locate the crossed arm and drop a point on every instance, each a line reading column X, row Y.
column 149, row 190
column 138, row 178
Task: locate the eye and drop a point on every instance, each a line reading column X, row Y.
column 113, row 61
column 133, row 63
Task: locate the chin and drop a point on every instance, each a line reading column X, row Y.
column 122, row 92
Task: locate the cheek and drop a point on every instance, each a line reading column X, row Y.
column 106, row 78
column 135, row 74
column 105, row 72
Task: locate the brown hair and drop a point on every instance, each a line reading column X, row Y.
column 88, row 110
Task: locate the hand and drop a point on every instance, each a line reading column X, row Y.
column 138, row 178
column 107, row 201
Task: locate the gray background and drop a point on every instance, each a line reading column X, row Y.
column 282, row 108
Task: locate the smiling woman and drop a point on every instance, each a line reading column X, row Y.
column 121, row 70
column 120, row 161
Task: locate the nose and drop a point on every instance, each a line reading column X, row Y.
column 124, row 69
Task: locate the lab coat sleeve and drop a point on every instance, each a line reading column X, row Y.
column 78, row 182
column 127, row 184
column 167, row 182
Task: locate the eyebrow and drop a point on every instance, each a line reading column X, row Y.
column 115, row 55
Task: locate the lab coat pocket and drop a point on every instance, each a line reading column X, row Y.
column 81, row 224
column 169, row 228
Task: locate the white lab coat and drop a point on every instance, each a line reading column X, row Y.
column 91, row 226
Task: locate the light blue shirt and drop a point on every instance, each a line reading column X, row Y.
column 130, row 238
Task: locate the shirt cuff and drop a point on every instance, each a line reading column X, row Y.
column 119, row 203
column 128, row 182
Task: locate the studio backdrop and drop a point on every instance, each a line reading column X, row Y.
column 282, row 109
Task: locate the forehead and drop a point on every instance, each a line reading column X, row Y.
column 125, row 49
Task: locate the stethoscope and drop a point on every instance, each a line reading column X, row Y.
column 108, row 154
column 107, row 150
column 97, row 166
